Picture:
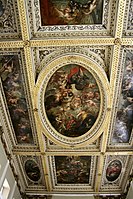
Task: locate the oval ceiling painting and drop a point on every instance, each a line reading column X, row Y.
column 32, row 170
column 113, row 170
column 72, row 100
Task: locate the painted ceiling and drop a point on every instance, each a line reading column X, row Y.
column 66, row 94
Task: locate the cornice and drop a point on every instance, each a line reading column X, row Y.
column 66, row 42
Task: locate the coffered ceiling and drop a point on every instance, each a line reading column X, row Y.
column 66, row 94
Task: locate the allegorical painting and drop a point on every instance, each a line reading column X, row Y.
column 124, row 119
column 72, row 169
column 32, row 170
column 12, row 82
column 72, row 100
column 113, row 170
column 71, row 12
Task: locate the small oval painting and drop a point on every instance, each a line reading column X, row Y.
column 113, row 170
column 72, row 100
column 32, row 170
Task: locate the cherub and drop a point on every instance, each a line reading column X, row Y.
column 5, row 70
column 13, row 100
column 67, row 13
column 89, row 7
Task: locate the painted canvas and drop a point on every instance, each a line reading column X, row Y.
column 72, row 169
column 113, row 170
column 71, row 12
column 32, row 170
column 124, row 119
column 12, row 81
column 72, row 100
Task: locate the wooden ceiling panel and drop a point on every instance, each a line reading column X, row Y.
column 99, row 160
column 98, row 25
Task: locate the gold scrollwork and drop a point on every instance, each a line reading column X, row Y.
column 117, row 41
column 26, row 43
column 40, row 89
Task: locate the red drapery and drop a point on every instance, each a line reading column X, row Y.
column 44, row 8
column 49, row 15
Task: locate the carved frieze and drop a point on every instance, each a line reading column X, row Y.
column 100, row 54
column 52, row 147
column 9, row 20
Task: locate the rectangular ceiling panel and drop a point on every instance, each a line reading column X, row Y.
column 12, row 78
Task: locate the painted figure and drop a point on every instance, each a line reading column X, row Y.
column 72, row 169
column 113, row 170
column 32, row 170
column 12, row 81
column 72, row 100
column 71, row 12
column 124, row 119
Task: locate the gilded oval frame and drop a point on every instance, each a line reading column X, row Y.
column 101, row 79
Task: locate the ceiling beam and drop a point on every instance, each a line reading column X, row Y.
column 23, row 20
column 120, row 19
column 99, row 172
column 89, row 41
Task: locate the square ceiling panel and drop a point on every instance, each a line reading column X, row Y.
column 66, row 95
column 71, row 18
column 71, row 12
column 52, row 147
column 72, row 172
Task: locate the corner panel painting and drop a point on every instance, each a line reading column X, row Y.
column 72, row 169
column 32, row 170
column 72, row 100
column 12, row 82
column 60, row 12
column 113, row 170
column 124, row 119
